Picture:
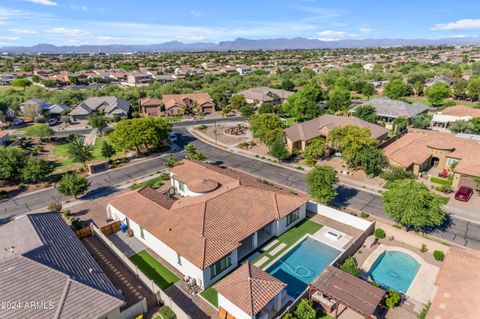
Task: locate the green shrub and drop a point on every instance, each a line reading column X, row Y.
column 167, row 313
column 379, row 233
column 424, row 248
column 350, row 266
column 364, row 215
column 55, row 206
column 424, row 311
column 164, row 177
column 440, row 181
column 67, row 214
column 438, row 255
column 201, row 127
column 393, row 298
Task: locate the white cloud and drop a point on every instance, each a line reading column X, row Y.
column 197, row 14
column 43, row 2
column 80, row 8
column 333, row 35
column 463, row 24
column 8, row 38
column 23, row 31
column 69, row 32
column 366, row 30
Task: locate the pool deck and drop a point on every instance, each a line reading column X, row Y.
column 423, row 287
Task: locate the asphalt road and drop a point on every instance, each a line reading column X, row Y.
column 460, row 231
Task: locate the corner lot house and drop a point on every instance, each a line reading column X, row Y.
column 249, row 293
column 442, row 119
column 264, row 94
column 108, row 105
column 419, row 150
column 216, row 217
column 42, row 261
column 175, row 104
column 298, row 135
column 388, row 110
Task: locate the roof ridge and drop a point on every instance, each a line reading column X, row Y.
column 250, row 289
column 63, row 297
column 275, row 204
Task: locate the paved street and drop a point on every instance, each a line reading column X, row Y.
column 460, row 231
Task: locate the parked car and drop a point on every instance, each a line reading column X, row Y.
column 464, row 193
column 443, row 174
column 216, row 163
column 52, row 122
column 17, row 121
column 172, row 137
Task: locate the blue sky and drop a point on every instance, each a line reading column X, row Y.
column 75, row 22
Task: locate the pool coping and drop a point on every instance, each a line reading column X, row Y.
column 426, row 273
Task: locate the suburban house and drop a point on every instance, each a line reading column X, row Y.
column 244, row 69
column 249, row 293
column 440, row 79
column 298, row 135
column 442, row 119
column 175, row 104
column 34, row 106
column 48, row 272
column 139, row 79
column 211, row 218
column 388, row 110
column 108, row 105
column 150, row 106
column 419, row 150
column 458, row 293
column 264, row 94
column 55, row 110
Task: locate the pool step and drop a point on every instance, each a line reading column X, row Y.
column 277, row 249
column 270, row 245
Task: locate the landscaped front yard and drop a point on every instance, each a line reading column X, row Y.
column 154, row 270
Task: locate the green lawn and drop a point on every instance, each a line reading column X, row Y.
column 290, row 237
column 440, row 181
column 154, row 270
column 211, row 295
column 151, row 182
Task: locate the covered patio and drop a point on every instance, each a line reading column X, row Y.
column 334, row 288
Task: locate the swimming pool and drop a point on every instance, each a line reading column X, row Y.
column 302, row 264
column 394, row 270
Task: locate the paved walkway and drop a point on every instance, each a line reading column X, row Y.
column 121, row 277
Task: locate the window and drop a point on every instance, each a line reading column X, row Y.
column 220, row 266
column 181, row 186
column 179, row 259
column 293, row 216
column 142, row 234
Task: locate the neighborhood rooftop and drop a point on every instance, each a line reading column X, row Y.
column 386, row 107
column 41, row 259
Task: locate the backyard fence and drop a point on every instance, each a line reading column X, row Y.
column 83, row 232
column 161, row 295
column 111, row 228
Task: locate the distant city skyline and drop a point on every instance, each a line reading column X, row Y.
column 59, row 22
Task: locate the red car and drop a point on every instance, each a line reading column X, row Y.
column 464, row 193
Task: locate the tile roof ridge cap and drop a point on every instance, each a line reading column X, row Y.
column 63, row 297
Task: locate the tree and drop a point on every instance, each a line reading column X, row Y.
column 304, row 104
column 314, row 150
column 108, row 151
column 461, row 127
column 370, row 159
column 287, row 85
column 98, row 121
column 350, row 266
column 36, row 169
column 473, row 88
column 392, row 299
column 192, row 152
column 305, row 309
column 238, row 101
column 321, row 182
column 277, row 148
column 266, row 127
column 475, row 124
column 411, row 204
column 400, row 124
column 21, row 82
column 247, row 110
column 438, row 92
column 72, row 184
column 349, row 140
column 421, row 121
column 459, row 89
column 368, row 90
column 13, row 159
column 339, row 99
column 367, row 113
column 396, row 89
column 171, row 161
column 139, row 133
column 78, row 151
column 39, row 132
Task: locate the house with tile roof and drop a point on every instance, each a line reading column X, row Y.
column 48, row 272
column 110, row 106
column 298, row 136
column 212, row 218
column 175, row 104
column 419, row 150
column 150, row 107
column 260, row 95
column 442, row 119
column 249, row 293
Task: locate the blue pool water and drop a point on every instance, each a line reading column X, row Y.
column 302, row 264
column 394, row 270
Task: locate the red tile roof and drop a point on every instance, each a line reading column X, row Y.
column 205, row 228
column 249, row 288
column 458, row 294
column 172, row 100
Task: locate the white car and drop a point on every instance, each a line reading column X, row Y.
column 172, row 137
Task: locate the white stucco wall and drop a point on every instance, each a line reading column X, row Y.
column 232, row 309
column 281, row 225
column 337, row 215
column 186, row 191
